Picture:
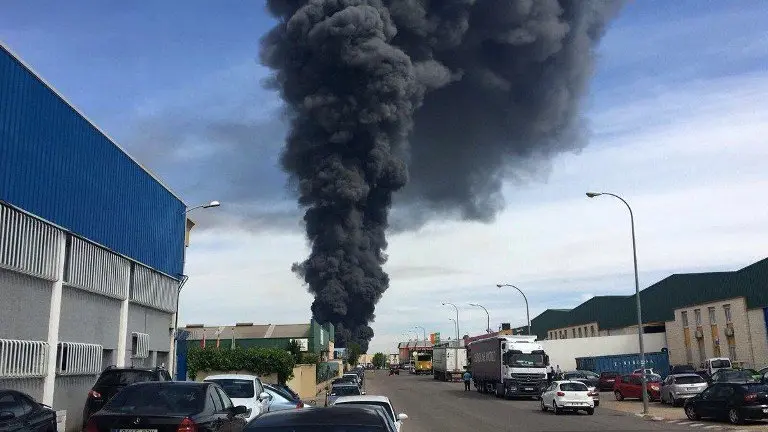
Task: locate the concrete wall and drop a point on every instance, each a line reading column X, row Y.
column 71, row 393
column 30, row 386
column 587, row 330
column 25, row 303
column 564, row 352
column 153, row 322
column 102, row 315
column 758, row 330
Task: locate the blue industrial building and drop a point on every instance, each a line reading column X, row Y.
column 91, row 249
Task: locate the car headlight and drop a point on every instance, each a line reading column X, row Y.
column 655, row 388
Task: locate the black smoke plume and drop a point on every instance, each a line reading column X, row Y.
column 460, row 93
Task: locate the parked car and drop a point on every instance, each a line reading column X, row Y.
column 354, row 377
column 630, row 387
column 19, row 412
column 713, row 365
column 381, row 401
column 339, row 390
column 681, row 369
column 606, row 380
column 280, row 400
column 736, row 402
column 757, row 376
column 567, row 396
column 182, row 406
column 676, row 388
column 589, row 378
column 731, row 376
column 285, row 389
column 332, row 419
column 246, row 390
column 648, row 371
column 113, row 379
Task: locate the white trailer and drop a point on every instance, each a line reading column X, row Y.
column 448, row 362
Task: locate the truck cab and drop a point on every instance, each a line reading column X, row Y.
column 422, row 362
column 509, row 366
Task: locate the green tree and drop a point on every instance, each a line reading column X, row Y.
column 259, row 361
column 353, row 353
column 295, row 349
column 379, row 360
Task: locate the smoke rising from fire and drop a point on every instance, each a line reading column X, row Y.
column 447, row 96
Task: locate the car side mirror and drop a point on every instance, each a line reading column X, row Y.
column 7, row 415
column 240, row 409
column 402, row 416
column 265, row 396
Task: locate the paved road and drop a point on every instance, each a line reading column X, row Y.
column 434, row 406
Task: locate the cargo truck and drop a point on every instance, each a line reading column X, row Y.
column 422, row 362
column 448, row 363
column 509, row 366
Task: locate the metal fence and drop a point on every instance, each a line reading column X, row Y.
column 153, row 289
column 28, row 245
column 74, row 358
column 23, row 359
column 97, row 270
column 326, row 371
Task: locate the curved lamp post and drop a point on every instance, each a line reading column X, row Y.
column 527, row 311
column 455, row 324
column 487, row 315
column 637, row 293
column 457, row 317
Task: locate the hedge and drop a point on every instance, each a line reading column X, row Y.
column 259, row 361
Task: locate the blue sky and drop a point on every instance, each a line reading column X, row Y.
column 676, row 111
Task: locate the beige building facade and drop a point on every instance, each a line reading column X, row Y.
column 724, row 328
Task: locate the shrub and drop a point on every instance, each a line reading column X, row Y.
column 259, row 361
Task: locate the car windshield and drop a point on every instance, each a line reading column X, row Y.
column 693, row 379
column 345, row 391
column 653, row 378
column 721, row 363
column 158, row 399
column 280, row 392
column 525, row 360
column 124, row 378
column 609, row 374
column 683, row 368
column 733, row 375
column 573, row 387
column 591, row 374
column 572, row 375
column 236, row 388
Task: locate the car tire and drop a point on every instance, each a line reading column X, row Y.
column 617, row 394
column 597, row 404
column 500, row 391
column 735, row 417
column 591, row 411
column 557, row 410
column 672, row 400
column 691, row 413
column 543, row 407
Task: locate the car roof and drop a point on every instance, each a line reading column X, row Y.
column 365, row 398
column 569, row 382
column 333, row 415
column 344, row 384
column 173, row 383
column 685, row 375
column 231, row 376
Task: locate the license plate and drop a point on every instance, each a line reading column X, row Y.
column 528, row 389
column 134, row 430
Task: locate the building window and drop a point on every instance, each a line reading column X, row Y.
column 697, row 314
column 684, row 315
column 727, row 310
column 592, row 330
column 712, row 319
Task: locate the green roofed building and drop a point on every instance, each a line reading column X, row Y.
column 718, row 314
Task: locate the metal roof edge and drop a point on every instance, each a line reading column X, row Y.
column 81, row 114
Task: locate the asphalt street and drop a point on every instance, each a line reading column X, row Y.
column 434, row 406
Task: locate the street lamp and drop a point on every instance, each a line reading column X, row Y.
column 425, row 334
column 488, row 323
column 457, row 317
column 637, row 293
column 527, row 311
column 205, row 206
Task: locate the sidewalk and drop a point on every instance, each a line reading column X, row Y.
column 667, row 413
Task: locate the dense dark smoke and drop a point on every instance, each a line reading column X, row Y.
column 478, row 88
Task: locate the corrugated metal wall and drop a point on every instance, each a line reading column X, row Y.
column 55, row 164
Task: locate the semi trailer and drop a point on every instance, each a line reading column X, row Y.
column 508, row 366
column 448, row 362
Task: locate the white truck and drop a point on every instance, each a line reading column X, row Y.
column 448, row 362
column 509, row 366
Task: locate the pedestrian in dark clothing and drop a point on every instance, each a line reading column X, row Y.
column 467, row 378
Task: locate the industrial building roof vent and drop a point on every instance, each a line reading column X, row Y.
column 244, row 324
column 195, row 325
column 506, row 326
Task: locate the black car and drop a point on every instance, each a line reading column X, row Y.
column 20, row 413
column 175, row 406
column 589, row 378
column 113, row 379
column 682, row 369
column 736, row 402
column 362, row 418
column 735, row 376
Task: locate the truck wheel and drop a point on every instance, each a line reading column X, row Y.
column 448, row 377
column 500, row 391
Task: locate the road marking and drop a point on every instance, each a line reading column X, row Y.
column 673, row 421
column 712, row 427
column 684, row 423
column 697, row 424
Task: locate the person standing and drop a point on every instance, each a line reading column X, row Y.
column 467, row 378
column 558, row 372
column 550, row 374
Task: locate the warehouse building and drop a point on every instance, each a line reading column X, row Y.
column 702, row 315
column 91, row 249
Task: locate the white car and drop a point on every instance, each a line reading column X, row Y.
column 381, row 401
column 353, row 375
column 244, row 390
column 567, row 396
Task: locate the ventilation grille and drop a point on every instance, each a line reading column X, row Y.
column 28, row 245
column 22, row 359
column 78, row 358
column 139, row 345
column 153, row 289
column 97, row 270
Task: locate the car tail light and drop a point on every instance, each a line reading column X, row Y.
column 94, row 394
column 560, row 393
column 592, row 393
column 186, row 425
column 751, row 397
column 91, row 426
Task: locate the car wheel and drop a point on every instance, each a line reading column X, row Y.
column 691, row 413
column 735, row 417
column 617, row 394
column 543, row 407
column 557, row 410
column 597, row 403
column 672, row 400
column 591, row 411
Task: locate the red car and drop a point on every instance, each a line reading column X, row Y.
column 607, row 380
column 630, row 387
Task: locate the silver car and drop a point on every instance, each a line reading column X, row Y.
column 677, row 388
column 342, row 389
column 279, row 401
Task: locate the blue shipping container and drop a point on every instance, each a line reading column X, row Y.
column 625, row 363
column 56, row 165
